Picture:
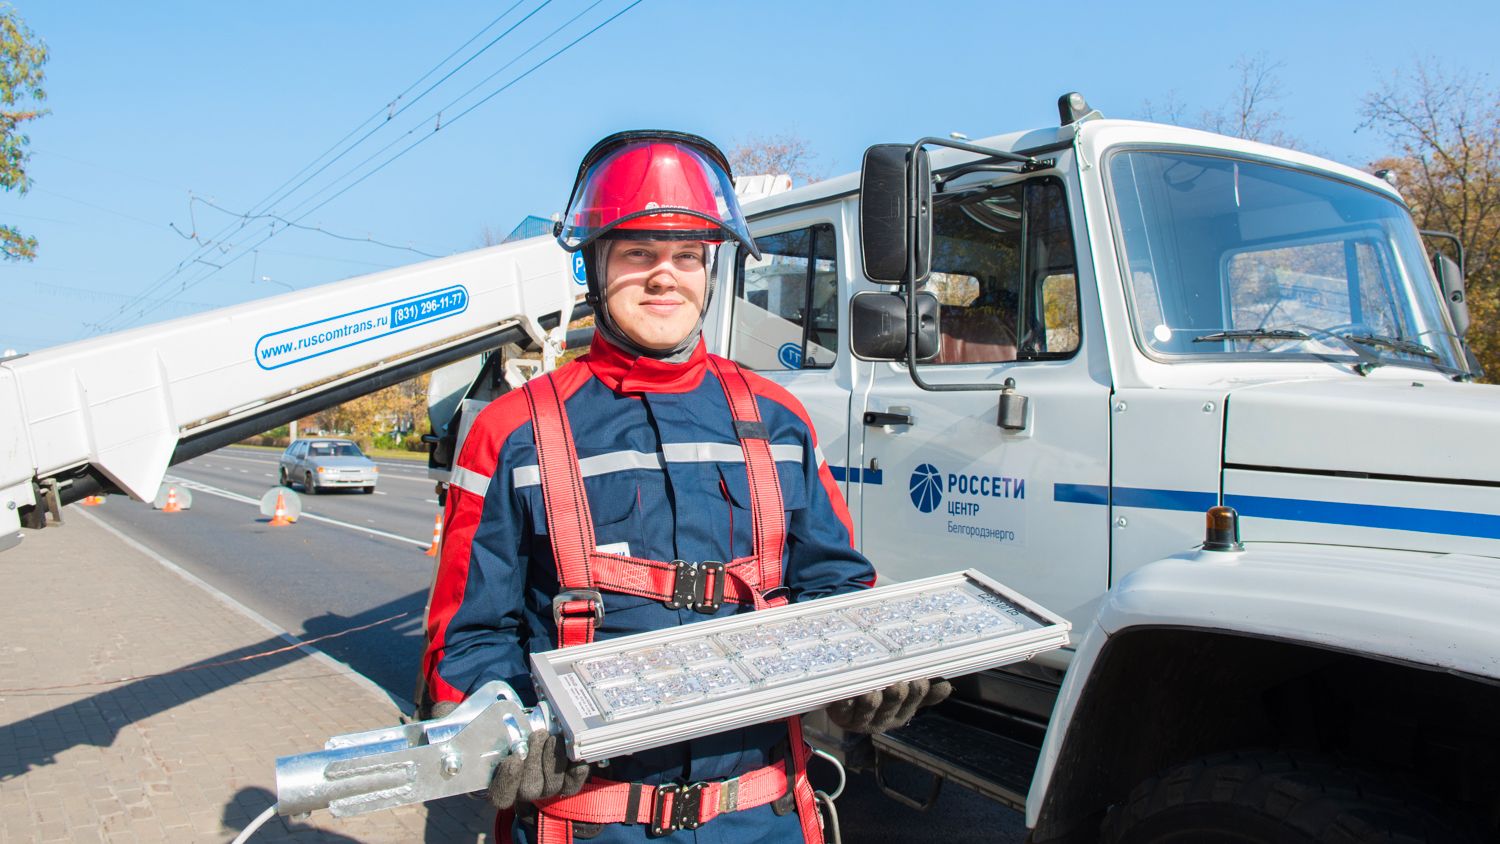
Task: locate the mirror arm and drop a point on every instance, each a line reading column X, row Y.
column 1448, row 236
column 913, row 212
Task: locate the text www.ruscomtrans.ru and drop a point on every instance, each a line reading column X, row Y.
column 316, row 339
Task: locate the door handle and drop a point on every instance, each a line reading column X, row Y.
column 877, row 419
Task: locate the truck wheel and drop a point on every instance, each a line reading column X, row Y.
column 1276, row 798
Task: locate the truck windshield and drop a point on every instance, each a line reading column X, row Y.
column 1230, row 257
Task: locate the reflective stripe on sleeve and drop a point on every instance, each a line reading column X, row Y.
column 470, row 481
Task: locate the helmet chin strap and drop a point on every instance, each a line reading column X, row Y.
column 605, row 324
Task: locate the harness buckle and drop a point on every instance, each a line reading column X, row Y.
column 691, row 586
column 684, row 813
column 595, row 600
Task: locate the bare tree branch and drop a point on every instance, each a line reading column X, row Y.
column 787, row 153
column 1444, row 131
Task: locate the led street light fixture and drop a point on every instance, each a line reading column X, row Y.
column 616, row 697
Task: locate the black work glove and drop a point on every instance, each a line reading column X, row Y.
column 545, row 772
column 892, row 706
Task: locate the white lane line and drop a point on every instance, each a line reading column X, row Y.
column 378, row 492
column 234, row 496
column 267, row 459
column 339, row 667
column 407, row 477
column 429, row 501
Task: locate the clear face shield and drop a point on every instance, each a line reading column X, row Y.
column 653, row 186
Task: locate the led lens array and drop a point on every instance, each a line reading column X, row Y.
column 664, row 676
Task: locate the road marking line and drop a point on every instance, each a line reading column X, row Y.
column 244, row 459
column 378, row 492
column 224, row 598
column 243, row 499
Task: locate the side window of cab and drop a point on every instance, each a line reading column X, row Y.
column 786, row 302
column 1003, row 271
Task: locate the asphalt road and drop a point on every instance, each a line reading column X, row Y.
column 355, row 560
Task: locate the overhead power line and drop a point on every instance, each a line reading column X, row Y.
column 284, row 221
column 246, row 249
column 393, row 114
column 264, row 203
column 435, row 118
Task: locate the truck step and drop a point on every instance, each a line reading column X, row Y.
column 995, row 766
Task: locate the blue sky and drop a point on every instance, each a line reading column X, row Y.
column 155, row 102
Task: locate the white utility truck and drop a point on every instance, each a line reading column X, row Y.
column 1116, row 327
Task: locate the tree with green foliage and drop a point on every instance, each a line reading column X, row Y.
column 22, row 55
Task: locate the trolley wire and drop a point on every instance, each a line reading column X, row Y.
column 268, row 202
column 273, row 231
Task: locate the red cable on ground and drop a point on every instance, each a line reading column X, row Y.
column 184, row 670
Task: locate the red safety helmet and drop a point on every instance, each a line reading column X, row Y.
column 653, row 186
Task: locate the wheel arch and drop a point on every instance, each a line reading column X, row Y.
column 1157, row 697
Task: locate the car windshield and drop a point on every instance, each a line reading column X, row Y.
column 1229, row 257
column 333, row 450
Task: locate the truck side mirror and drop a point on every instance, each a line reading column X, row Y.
column 878, row 325
column 1451, row 280
column 887, row 194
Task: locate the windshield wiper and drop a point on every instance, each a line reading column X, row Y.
column 1395, row 344
column 1252, row 334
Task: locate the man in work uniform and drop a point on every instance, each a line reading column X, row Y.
column 644, row 486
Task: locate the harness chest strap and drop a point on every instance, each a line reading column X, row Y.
column 582, row 569
column 578, row 609
column 768, row 515
column 569, row 525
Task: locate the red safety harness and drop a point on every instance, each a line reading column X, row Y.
column 583, row 570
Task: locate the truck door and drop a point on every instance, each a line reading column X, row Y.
column 785, row 321
column 950, row 489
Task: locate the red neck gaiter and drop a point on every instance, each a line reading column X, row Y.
column 625, row 374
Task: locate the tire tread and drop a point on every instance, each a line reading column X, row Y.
column 1311, row 797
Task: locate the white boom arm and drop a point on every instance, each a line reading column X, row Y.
column 119, row 409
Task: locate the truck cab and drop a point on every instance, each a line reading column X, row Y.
column 1117, row 326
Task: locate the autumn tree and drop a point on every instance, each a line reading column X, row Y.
column 1443, row 128
column 787, row 153
column 400, row 407
column 22, row 55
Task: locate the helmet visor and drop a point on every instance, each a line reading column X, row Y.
column 654, row 188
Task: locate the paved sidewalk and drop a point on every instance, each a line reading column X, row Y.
column 181, row 756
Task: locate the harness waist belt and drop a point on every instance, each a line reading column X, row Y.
column 666, row 808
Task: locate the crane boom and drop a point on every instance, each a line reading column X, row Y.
column 117, row 410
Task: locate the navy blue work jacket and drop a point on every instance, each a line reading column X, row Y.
column 665, row 479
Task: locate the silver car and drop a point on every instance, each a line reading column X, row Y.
column 320, row 464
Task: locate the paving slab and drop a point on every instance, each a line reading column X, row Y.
column 136, row 705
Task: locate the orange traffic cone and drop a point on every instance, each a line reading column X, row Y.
column 172, row 505
column 278, row 517
column 437, row 535
column 93, row 501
